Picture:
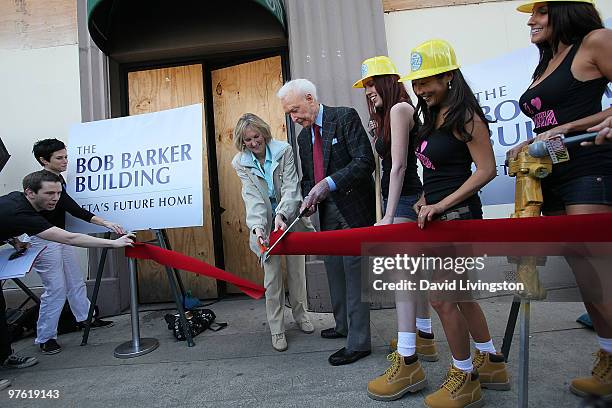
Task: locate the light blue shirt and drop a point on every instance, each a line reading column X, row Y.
column 319, row 122
column 266, row 171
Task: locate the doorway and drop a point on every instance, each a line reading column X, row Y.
column 227, row 90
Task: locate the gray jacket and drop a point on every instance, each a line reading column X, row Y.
column 255, row 191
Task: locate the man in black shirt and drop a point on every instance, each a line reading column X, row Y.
column 20, row 214
column 58, row 266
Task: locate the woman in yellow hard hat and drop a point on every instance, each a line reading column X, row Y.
column 454, row 135
column 565, row 98
column 395, row 123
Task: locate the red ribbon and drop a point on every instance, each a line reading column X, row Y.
column 186, row 263
column 555, row 235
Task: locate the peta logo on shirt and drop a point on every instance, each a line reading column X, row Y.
column 540, row 119
column 422, row 158
column 546, row 118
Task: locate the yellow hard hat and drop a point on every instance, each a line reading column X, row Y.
column 528, row 7
column 432, row 57
column 376, row 66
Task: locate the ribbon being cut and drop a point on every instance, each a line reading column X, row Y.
column 567, row 235
column 584, row 239
column 574, row 236
column 179, row 261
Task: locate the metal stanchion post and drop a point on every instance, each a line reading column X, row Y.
column 137, row 346
column 523, row 391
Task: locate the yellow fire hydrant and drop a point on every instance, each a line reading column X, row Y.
column 529, row 172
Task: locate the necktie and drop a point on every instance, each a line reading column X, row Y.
column 317, row 154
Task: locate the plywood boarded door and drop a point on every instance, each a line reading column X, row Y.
column 249, row 87
column 156, row 90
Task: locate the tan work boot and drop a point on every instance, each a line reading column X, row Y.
column 491, row 370
column 460, row 390
column 600, row 382
column 404, row 375
column 425, row 346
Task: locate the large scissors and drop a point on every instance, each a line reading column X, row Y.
column 266, row 254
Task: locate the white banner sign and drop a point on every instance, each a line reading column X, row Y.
column 498, row 84
column 143, row 171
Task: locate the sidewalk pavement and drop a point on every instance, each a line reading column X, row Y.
column 237, row 366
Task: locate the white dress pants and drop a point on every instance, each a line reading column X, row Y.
column 62, row 279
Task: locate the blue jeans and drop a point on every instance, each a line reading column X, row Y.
column 405, row 206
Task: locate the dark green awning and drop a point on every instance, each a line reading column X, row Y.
column 101, row 15
column 275, row 7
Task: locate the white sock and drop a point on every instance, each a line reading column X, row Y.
column 464, row 365
column 406, row 344
column 486, row 347
column 423, row 325
column 605, row 344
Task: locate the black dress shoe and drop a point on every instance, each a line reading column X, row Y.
column 331, row 334
column 344, row 356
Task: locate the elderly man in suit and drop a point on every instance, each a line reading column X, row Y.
column 337, row 166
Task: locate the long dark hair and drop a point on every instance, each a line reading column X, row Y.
column 570, row 23
column 391, row 92
column 462, row 106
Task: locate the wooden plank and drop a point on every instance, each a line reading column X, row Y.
column 239, row 89
column 390, row 6
column 152, row 91
column 26, row 24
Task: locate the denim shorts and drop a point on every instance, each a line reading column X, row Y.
column 405, row 206
column 581, row 190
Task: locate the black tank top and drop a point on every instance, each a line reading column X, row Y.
column 412, row 184
column 559, row 99
column 447, row 164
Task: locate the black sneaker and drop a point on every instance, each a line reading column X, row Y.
column 50, row 347
column 15, row 361
column 96, row 323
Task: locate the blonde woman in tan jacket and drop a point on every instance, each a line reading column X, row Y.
column 272, row 198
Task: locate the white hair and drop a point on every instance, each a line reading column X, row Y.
column 300, row 86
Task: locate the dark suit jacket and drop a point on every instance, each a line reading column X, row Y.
column 348, row 160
